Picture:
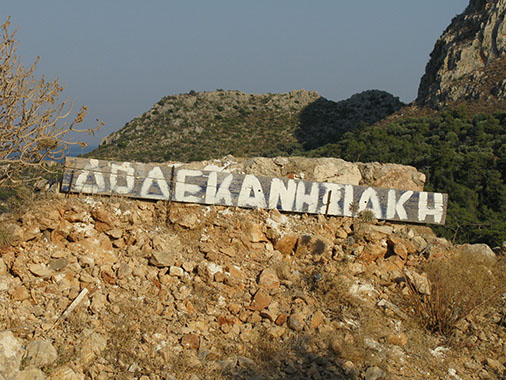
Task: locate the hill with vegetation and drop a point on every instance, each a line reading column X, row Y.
column 205, row 125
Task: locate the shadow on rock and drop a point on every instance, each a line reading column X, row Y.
column 325, row 121
column 295, row 358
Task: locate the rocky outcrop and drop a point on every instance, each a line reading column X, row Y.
column 336, row 170
column 468, row 60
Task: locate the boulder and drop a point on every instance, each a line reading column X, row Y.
column 40, row 353
column 11, row 353
column 478, row 251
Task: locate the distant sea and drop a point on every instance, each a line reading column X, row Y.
column 76, row 150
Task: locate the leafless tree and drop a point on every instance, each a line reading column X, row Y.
column 32, row 131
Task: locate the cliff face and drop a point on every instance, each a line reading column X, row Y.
column 468, row 61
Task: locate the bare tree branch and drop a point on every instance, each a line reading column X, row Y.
column 32, row 130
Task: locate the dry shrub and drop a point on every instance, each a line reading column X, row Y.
column 6, row 237
column 333, row 292
column 16, row 200
column 458, row 286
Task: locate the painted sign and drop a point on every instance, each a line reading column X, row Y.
column 164, row 182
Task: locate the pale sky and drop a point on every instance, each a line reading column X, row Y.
column 121, row 57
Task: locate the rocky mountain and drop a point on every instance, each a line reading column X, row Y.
column 204, row 125
column 468, row 62
column 115, row 288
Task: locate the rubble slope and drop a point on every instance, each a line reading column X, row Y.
column 115, row 288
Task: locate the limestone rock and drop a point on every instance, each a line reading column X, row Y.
column 20, row 293
column 317, row 320
column 66, row 373
column 31, row 374
column 163, row 259
column 40, row 353
column 3, row 267
column 471, row 50
column 286, row 244
column 94, row 344
column 40, row 270
column 296, row 321
column 190, row 341
column 208, row 270
column 481, row 251
column 176, row 271
column 11, row 353
column 393, row 176
column 261, row 300
column 268, row 279
column 419, row 281
column 101, row 215
column 374, row 251
column 253, row 233
column 374, row 373
column 400, row 339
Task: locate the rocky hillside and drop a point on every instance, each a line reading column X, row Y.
column 198, row 126
column 468, row 62
column 114, row 288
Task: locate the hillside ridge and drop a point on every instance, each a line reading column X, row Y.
column 205, row 125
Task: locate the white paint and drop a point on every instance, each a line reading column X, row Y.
column 214, row 268
column 251, row 194
column 397, row 206
column 335, row 191
column 424, row 210
column 311, row 199
column 221, row 194
column 98, row 186
column 186, row 192
column 348, row 200
column 281, row 193
column 370, row 196
column 129, row 171
column 155, row 175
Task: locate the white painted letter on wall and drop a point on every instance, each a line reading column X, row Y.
column 310, row 199
column 216, row 194
column 424, row 210
column 155, row 175
column 129, row 178
column 98, row 184
column 281, row 193
column 397, row 206
column 187, row 192
column 335, row 196
column 251, row 194
column 370, row 196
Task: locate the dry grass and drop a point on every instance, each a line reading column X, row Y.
column 459, row 286
column 6, row 237
column 332, row 291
